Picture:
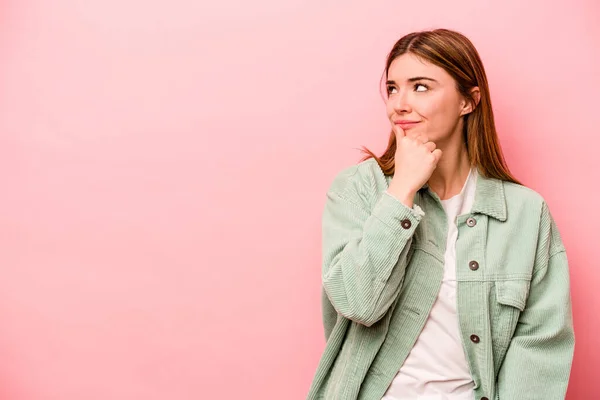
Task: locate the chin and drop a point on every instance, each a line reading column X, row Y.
column 414, row 133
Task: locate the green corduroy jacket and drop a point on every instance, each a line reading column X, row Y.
column 382, row 270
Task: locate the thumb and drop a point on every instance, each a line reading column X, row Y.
column 399, row 132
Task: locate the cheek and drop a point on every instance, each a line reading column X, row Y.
column 429, row 106
column 389, row 109
column 438, row 110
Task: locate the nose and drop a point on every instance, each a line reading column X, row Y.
column 401, row 103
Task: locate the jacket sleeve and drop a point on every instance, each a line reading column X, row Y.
column 538, row 361
column 365, row 253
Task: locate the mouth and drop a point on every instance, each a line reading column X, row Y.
column 404, row 124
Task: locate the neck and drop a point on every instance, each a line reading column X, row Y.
column 452, row 170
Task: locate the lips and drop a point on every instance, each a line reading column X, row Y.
column 404, row 124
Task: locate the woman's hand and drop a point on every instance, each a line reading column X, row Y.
column 415, row 160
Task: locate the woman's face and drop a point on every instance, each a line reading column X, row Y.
column 423, row 98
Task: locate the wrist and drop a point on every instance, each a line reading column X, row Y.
column 404, row 195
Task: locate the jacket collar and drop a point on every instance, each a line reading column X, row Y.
column 489, row 199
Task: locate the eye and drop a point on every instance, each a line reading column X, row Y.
column 391, row 90
column 419, row 87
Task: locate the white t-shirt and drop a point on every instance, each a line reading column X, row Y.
column 436, row 368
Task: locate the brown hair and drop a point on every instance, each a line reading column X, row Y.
column 456, row 54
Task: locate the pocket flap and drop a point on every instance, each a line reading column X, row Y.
column 513, row 293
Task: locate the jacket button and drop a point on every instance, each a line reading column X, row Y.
column 474, row 265
column 475, row 339
column 471, row 222
column 406, row 224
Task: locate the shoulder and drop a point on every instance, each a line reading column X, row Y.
column 529, row 208
column 365, row 178
column 361, row 184
column 522, row 197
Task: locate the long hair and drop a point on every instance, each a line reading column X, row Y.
column 455, row 53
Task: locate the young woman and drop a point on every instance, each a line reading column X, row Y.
column 443, row 277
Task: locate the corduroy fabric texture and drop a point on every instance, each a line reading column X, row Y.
column 382, row 270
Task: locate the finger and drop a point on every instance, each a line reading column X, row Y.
column 430, row 146
column 437, row 153
column 399, row 131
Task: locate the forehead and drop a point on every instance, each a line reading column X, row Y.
column 409, row 66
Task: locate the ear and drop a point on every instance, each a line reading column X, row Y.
column 470, row 104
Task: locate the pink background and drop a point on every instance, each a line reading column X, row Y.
column 163, row 168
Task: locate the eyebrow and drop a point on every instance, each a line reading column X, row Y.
column 416, row 78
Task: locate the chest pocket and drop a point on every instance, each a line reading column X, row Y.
column 513, row 293
column 507, row 302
